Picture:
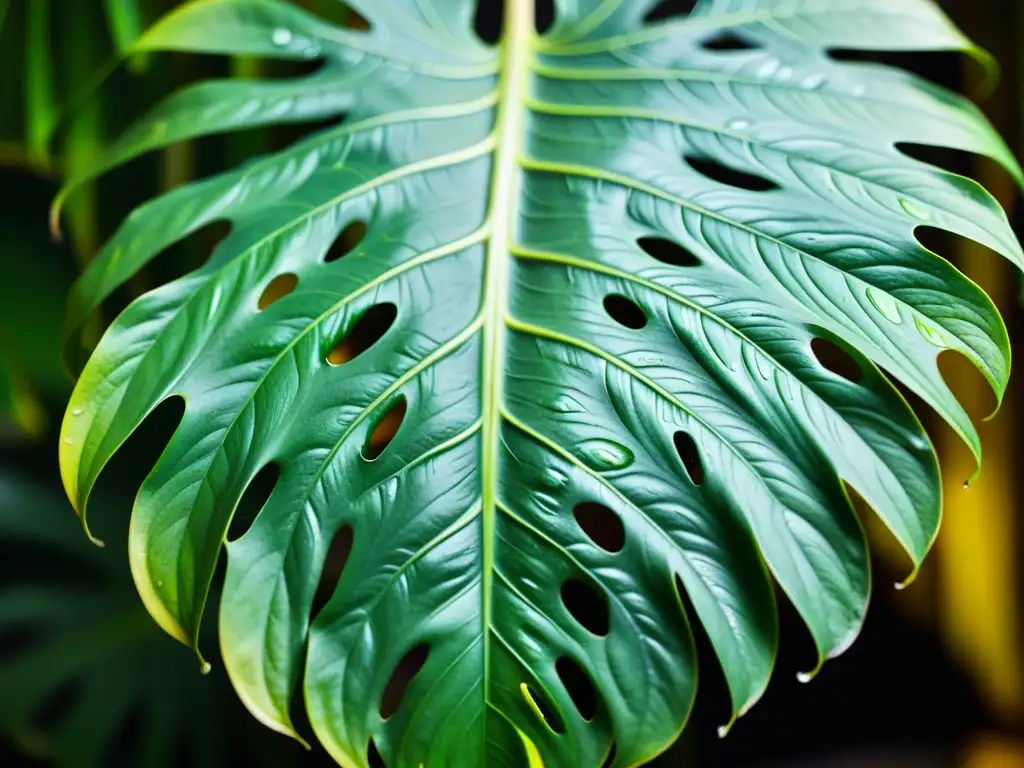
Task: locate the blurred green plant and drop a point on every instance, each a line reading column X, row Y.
column 88, row 679
column 79, row 660
column 565, row 183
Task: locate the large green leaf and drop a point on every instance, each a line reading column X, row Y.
column 590, row 317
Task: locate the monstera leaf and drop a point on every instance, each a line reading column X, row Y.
column 554, row 337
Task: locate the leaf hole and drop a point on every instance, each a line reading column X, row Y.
column 354, row 19
column 135, row 459
column 277, row 289
column 297, row 700
column 487, row 21
column 407, row 669
column 339, row 14
column 625, row 311
column 727, row 40
column 385, row 430
column 668, row 252
column 579, row 687
column 367, row 331
column 986, row 266
column 603, row 526
column 588, row 605
column 943, row 68
column 373, row 756
column 544, row 15
column 836, row 359
column 255, row 497
column 941, row 242
column 337, row 557
column 346, row 241
column 543, row 709
column 670, row 9
column 686, row 449
column 715, row 697
column 723, row 174
column 968, row 385
column 961, row 162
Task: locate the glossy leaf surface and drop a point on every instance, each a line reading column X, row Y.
column 518, row 290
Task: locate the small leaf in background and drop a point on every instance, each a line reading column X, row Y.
column 40, row 106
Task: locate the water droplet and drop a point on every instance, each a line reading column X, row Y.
column 160, row 584
column 812, row 81
column 858, row 90
column 785, row 73
column 885, row 304
column 918, row 443
column 769, row 68
column 738, row 124
column 552, row 478
column 914, row 209
column 566, row 404
column 281, row 36
column 312, row 50
column 77, row 411
column 930, row 334
column 68, row 441
column 966, row 485
column 605, row 455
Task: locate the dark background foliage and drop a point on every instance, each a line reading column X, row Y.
column 936, row 679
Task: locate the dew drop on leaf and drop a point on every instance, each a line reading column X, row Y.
column 565, row 403
column 930, row 334
column 552, row 478
column 604, row 455
column 886, row 305
column 812, row 81
column 738, row 124
column 769, row 68
column 918, row 443
column 281, row 36
column 914, row 209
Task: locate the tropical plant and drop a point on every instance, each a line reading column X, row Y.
column 88, row 680
column 543, row 340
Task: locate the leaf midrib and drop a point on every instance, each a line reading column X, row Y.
column 516, row 56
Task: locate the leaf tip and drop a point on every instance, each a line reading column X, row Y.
column 806, row 677
column 93, row 539
column 901, row 585
column 55, row 210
